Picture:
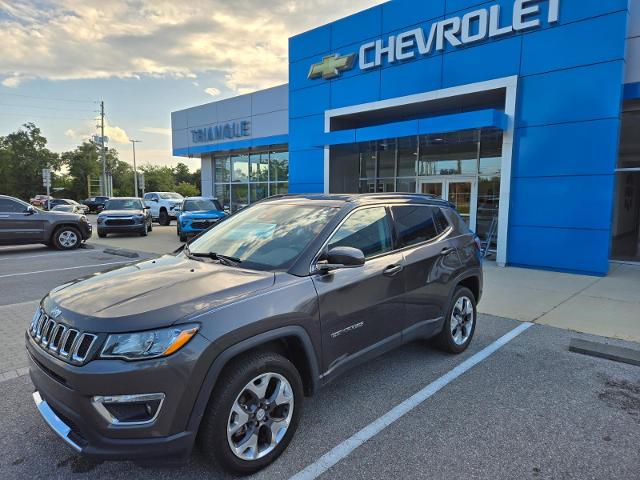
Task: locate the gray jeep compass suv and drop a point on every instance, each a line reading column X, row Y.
column 221, row 342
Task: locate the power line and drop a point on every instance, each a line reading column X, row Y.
column 48, row 98
column 37, row 115
column 47, row 108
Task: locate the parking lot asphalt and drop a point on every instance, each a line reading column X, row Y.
column 531, row 409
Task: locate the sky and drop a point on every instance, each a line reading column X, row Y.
column 144, row 59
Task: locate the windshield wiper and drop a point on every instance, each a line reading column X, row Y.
column 224, row 259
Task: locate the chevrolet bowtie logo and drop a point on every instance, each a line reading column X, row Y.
column 332, row 66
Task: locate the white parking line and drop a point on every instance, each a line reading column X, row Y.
column 63, row 269
column 57, row 254
column 342, row 450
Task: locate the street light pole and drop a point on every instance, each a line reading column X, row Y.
column 135, row 170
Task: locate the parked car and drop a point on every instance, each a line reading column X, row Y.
column 124, row 215
column 197, row 214
column 164, row 206
column 79, row 209
column 40, row 200
column 95, row 204
column 223, row 340
column 22, row 224
column 54, row 202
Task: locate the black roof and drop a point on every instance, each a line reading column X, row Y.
column 360, row 199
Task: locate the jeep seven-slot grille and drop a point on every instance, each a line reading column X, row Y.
column 59, row 340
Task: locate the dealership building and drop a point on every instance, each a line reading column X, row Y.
column 523, row 113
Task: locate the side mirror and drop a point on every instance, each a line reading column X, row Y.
column 147, row 208
column 341, row 257
column 155, row 200
column 30, row 210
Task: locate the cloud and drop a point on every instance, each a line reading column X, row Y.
column 213, row 91
column 246, row 41
column 157, row 131
column 116, row 135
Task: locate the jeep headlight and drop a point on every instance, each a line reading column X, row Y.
column 147, row 345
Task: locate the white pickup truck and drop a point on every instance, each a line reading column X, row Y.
column 164, row 206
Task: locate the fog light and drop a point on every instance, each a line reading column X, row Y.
column 129, row 409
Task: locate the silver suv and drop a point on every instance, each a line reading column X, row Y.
column 23, row 224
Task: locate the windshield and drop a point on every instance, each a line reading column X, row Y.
column 170, row 196
column 124, row 204
column 201, row 204
column 266, row 237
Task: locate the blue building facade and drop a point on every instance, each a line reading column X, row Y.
column 511, row 109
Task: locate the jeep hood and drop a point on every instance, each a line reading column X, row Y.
column 152, row 294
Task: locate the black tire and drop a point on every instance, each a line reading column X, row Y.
column 164, row 218
column 445, row 339
column 183, row 238
column 236, row 376
column 102, row 234
column 150, row 226
column 145, row 230
column 67, row 238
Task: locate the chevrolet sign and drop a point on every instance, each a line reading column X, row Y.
column 459, row 31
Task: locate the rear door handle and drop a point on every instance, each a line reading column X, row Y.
column 446, row 251
column 393, row 270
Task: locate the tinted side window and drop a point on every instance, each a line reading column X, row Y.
column 414, row 224
column 441, row 220
column 10, row 206
column 367, row 230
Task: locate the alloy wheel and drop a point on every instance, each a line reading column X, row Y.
column 260, row 416
column 68, row 239
column 462, row 318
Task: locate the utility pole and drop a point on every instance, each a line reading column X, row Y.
column 135, row 170
column 105, row 187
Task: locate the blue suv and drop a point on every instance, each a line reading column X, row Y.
column 197, row 214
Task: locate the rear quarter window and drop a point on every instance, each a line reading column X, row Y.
column 415, row 224
column 441, row 220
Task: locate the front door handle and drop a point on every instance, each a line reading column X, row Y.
column 446, row 251
column 393, row 270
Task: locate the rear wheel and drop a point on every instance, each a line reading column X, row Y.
column 102, row 234
column 67, row 238
column 460, row 322
column 254, row 412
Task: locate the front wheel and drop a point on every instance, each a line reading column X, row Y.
column 145, row 230
column 67, row 238
column 164, row 218
column 253, row 413
column 460, row 322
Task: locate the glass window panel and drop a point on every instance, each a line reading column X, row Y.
column 259, row 167
column 222, row 193
column 434, row 189
column 368, row 160
column 386, row 185
column 386, row 158
column 240, row 168
column 239, row 197
column 259, row 191
column 279, row 188
column 488, row 204
column 406, row 185
column 407, row 156
column 449, row 154
column 279, row 166
column 629, row 155
column 222, row 169
column 367, row 230
column 414, row 224
column 490, row 152
column 367, row 186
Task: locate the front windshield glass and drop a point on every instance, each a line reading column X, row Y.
column 171, row 196
column 124, row 204
column 201, row 204
column 266, row 237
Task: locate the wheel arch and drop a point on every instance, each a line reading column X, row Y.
column 57, row 226
column 472, row 283
column 291, row 341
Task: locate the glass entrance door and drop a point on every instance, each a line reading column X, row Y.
column 461, row 192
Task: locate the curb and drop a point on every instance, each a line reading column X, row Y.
column 121, row 252
column 608, row 352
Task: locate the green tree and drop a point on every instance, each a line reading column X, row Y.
column 187, row 190
column 23, row 155
column 82, row 163
column 158, row 179
column 182, row 174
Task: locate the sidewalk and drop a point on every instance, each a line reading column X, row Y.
column 608, row 306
